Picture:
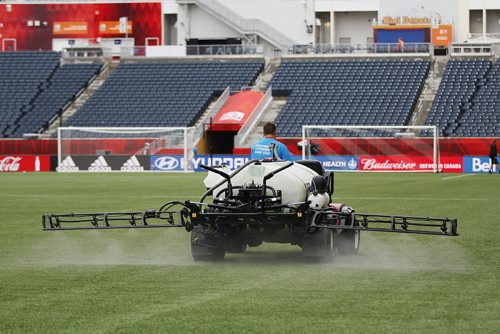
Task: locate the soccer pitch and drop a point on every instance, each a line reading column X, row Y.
column 146, row 281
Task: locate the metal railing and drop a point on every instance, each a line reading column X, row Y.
column 254, row 118
column 132, row 51
column 243, row 25
column 224, row 50
column 368, row 48
column 200, row 128
column 471, row 49
column 86, row 52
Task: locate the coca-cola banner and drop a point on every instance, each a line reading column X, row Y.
column 24, row 163
column 408, row 163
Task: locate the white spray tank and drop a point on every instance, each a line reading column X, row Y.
column 293, row 182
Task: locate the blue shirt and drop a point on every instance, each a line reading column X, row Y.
column 261, row 150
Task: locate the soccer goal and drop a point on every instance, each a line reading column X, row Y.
column 128, row 149
column 373, row 148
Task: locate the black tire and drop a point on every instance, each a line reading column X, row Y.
column 206, row 245
column 235, row 246
column 348, row 242
column 319, row 246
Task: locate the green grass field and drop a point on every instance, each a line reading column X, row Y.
column 146, row 281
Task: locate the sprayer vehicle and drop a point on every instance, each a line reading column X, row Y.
column 262, row 201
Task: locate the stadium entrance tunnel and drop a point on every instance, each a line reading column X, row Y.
column 220, row 142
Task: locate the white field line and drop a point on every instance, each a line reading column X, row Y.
column 83, row 196
column 413, row 199
column 456, row 177
column 197, row 196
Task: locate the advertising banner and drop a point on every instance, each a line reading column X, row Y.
column 70, row 28
column 172, row 163
column 339, row 162
column 104, row 163
column 406, row 163
column 477, row 165
column 24, row 163
column 113, row 27
column 442, row 35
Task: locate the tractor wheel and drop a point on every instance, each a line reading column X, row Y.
column 206, row 245
column 348, row 242
column 235, row 246
column 319, row 246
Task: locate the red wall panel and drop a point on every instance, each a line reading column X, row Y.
column 370, row 146
column 146, row 18
column 358, row 146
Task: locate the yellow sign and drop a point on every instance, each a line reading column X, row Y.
column 408, row 20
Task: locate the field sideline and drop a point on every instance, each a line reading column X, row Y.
column 146, row 281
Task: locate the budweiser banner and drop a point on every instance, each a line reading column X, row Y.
column 24, row 163
column 408, row 163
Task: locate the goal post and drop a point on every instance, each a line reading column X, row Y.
column 373, row 148
column 124, row 149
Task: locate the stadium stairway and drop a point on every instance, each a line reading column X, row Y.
column 277, row 103
column 429, row 91
column 106, row 70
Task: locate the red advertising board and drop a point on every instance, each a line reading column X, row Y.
column 24, row 163
column 408, row 163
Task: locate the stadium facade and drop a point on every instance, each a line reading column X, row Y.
column 274, row 25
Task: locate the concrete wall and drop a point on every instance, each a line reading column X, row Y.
column 291, row 16
column 347, row 5
column 356, row 25
column 493, row 21
column 205, row 26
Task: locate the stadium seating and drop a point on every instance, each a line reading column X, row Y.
column 465, row 101
column 34, row 88
column 481, row 117
column 330, row 92
column 162, row 93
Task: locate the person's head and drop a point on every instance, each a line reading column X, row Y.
column 269, row 130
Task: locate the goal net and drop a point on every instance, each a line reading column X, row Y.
column 124, row 149
column 372, row 148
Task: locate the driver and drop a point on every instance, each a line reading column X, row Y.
column 263, row 149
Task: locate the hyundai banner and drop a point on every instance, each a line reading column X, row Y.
column 171, row 163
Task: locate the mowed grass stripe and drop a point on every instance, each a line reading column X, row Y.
column 146, row 281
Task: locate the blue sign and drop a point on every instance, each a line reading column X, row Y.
column 477, row 165
column 338, row 162
column 168, row 163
